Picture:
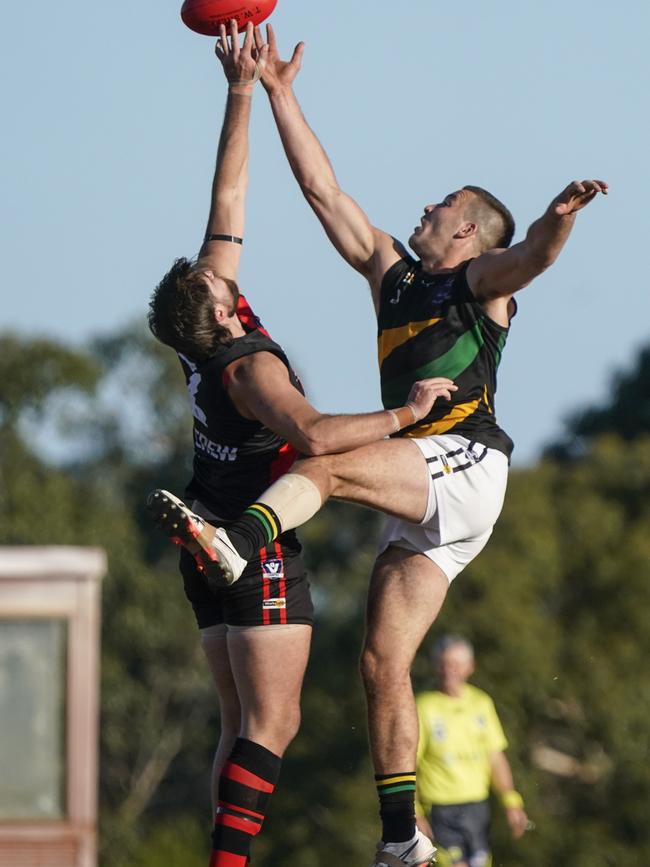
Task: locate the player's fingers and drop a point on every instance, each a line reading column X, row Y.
column 270, row 38
column 261, row 58
column 433, row 391
column 223, row 40
column 298, row 52
column 248, row 38
column 259, row 39
column 439, row 380
column 445, row 390
column 597, row 186
column 584, row 198
column 234, row 39
column 432, row 380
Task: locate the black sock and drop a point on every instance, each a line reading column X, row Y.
column 246, row 784
column 396, row 805
column 256, row 528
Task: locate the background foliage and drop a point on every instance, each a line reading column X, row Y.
column 557, row 607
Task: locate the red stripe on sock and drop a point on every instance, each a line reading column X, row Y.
column 227, row 859
column 246, row 825
column 259, row 816
column 241, row 775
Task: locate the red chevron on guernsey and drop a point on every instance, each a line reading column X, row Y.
column 241, row 775
column 248, row 317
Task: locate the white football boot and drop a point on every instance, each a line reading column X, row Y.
column 419, row 851
column 215, row 556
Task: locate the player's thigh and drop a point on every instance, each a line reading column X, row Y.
column 405, row 595
column 268, row 664
column 391, row 476
column 210, row 617
column 214, row 643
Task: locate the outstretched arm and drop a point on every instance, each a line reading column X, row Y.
column 227, row 206
column 369, row 250
column 260, row 388
column 500, row 273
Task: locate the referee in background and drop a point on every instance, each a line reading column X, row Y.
column 460, row 757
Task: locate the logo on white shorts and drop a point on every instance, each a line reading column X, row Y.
column 274, row 603
column 273, row 569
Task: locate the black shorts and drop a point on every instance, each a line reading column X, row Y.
column 273, row 589
column 463, row 831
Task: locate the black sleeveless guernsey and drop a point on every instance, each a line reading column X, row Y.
column 432, row 325
column 235, row 458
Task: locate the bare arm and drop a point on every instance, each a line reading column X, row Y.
column 259, row 386
column 227, row 204
column 500, row 273
column 503, row 785
column 369, row 250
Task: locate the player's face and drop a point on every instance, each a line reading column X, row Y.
column 439, row 223
column 455, row 665
column 221, row 292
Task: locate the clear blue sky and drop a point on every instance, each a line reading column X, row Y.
column 111, row 116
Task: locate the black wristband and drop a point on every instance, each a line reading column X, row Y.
column 232, row 238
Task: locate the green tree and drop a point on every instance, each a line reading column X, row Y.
column 626, row 415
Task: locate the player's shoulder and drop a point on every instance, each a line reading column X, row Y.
column 256, row 364
column 395, row 269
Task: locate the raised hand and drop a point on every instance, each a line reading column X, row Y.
column 243, row 65
column 278, row 73
column 425, row 392
column 577, row 195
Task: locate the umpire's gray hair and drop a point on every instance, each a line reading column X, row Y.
column 447, row 641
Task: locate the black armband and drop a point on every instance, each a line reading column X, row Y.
column 232, row 238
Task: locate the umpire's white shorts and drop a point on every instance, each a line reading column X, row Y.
column 466, row 490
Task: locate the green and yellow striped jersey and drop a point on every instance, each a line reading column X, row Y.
column 432, row 325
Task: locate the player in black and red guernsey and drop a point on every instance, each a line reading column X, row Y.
column 250, row 420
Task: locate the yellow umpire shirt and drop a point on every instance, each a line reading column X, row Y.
column 457, row 736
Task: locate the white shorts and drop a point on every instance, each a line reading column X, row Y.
column 466, row 491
